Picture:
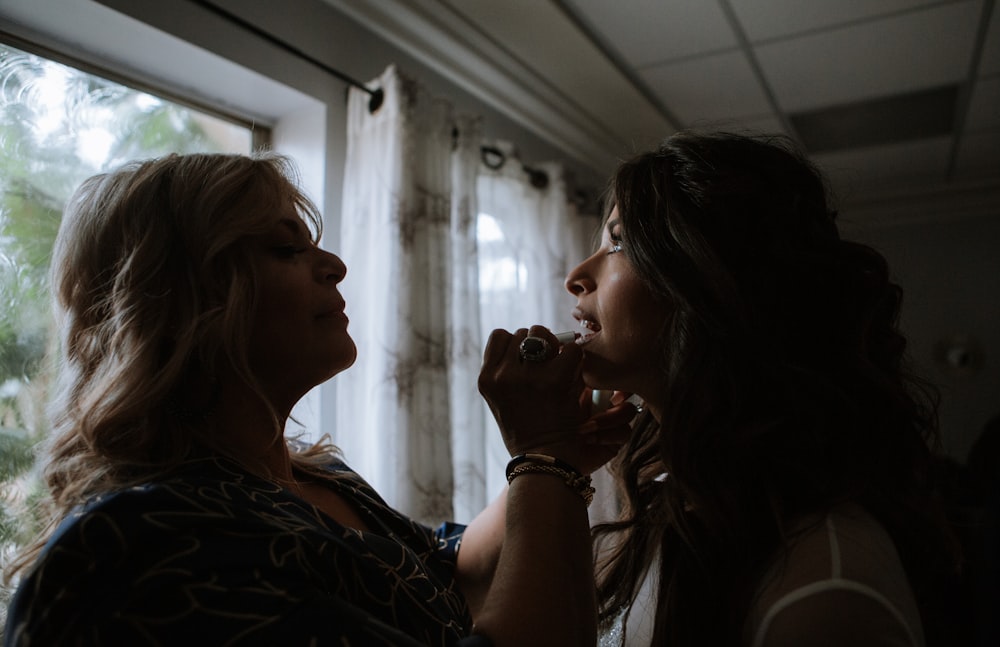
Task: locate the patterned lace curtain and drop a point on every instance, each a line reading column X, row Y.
column 440, row 249
column 408, row 239
column 530, row 235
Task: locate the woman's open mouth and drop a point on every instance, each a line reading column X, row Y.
column 588, row 330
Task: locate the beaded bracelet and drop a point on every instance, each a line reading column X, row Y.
column 543, row 464
column 540, row 458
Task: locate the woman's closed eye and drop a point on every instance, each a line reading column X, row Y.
column 289, row 250
column 290, row 238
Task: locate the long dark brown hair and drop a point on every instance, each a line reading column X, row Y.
column 787, row 390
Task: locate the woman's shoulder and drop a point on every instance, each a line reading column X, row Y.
column 836, row 565
column 178, row 546
column 187, row 549
column 200, row 499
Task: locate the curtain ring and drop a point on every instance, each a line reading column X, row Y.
column 492, row 157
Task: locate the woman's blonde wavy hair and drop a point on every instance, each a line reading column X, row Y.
column 154, row 289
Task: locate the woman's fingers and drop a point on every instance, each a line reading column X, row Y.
column 604, row 434
column 498, row 344
column 611, row 426
column 616, row 436
column 533, row 392
column 594, row 401
column 618, row 397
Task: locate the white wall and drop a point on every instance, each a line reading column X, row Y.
column 950, row 274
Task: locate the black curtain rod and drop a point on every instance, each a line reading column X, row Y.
column 494, row 158
column 375, row 96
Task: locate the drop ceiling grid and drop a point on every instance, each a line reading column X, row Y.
column 826, row 53
column 646, row 33
column 989, row 63
column 721, row 86
column 984, row 108
column 544, row 43
column 535, row 41
column 874, row 59
column 882, row 169
column 979, row 157
column 771, row 19
column 797, row 55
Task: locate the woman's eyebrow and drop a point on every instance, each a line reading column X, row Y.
column 294, row 225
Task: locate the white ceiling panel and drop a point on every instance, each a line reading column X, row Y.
column 767, row 19
column 669, row 29
column 989, row 64
column 886, row 168
column 979, row 157
column 721, row 86
column 757, row 124
column 984, row 109
column 875, row 59
column 545, row 43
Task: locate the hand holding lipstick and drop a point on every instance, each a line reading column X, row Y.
column 538, row 349
column 542, row 405
column 566, row 337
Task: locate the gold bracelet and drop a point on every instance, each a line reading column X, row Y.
column 579, row 483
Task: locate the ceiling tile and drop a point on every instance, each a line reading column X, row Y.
column 645, row 32
column 758, row 124
column 885, row 168
column 722, row 86
column 978, row 156
column 765, row 19
column 914, row 115
column 984, row 108
column 541, row 37
column 990, row 61
column 770, row 125
column 881, row 58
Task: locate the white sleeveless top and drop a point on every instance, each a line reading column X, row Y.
column 839, row 583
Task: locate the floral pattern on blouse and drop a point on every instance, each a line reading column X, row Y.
column 216, row 555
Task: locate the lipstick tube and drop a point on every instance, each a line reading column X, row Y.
column 567, row 337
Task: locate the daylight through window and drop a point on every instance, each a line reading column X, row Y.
column 58, row 126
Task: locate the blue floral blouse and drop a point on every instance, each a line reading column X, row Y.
column 218, row 556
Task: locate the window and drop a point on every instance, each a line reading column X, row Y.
column 58, row 126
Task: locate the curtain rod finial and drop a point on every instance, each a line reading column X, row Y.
column 375, row 101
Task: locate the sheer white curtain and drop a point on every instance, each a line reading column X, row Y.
column 529, row 238
column 407, row 224
column 430, row 274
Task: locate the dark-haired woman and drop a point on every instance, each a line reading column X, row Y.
column 775, row 489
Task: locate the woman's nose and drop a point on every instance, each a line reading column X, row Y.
column 332, row 268
column 579, row 281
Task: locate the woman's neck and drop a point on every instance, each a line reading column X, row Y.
column 245, row 429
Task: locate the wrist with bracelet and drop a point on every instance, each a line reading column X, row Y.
column 544, row 464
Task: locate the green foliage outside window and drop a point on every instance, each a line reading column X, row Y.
column 58, row 126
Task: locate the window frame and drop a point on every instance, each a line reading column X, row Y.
column 260, row 134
